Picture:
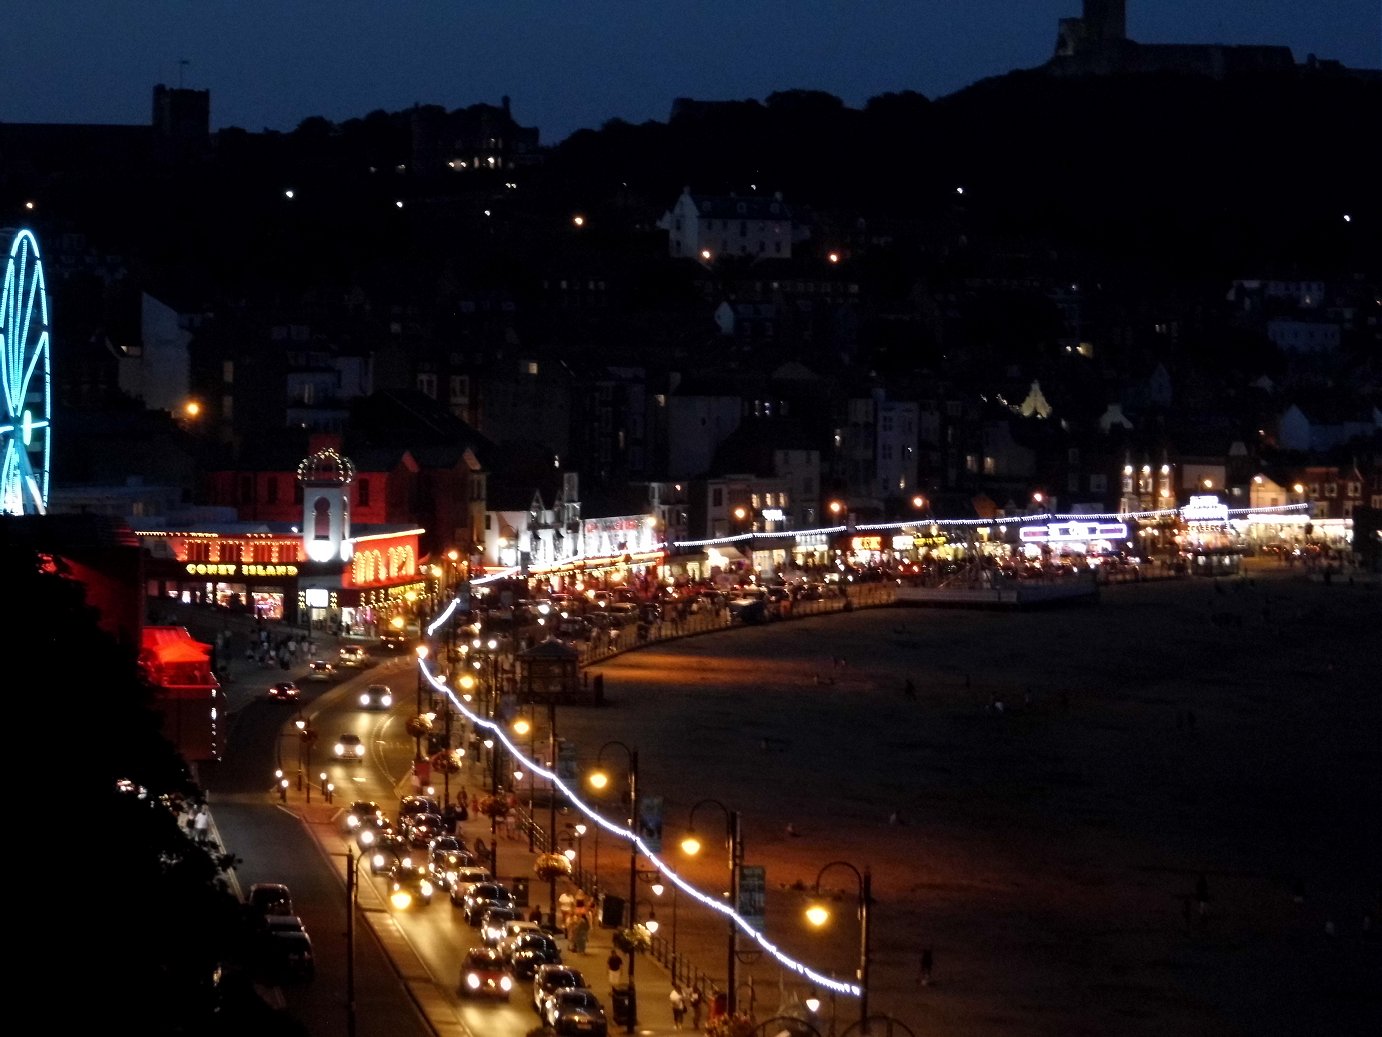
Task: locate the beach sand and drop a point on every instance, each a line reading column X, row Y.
column 1048, row 853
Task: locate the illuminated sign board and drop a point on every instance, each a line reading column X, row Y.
column 380, row 561
column 1073, row 532
column 860, row 544
column 1205, row 508
column 234, row 569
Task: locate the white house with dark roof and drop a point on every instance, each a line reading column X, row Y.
column 708, row 227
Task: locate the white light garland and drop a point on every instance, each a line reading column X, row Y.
column 536, row 768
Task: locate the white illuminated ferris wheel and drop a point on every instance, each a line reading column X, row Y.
column 26, row 409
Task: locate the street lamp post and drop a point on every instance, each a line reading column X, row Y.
column 818, row 915
column 692, row 845
column 599, row 779
column 580, row 829
column 551, row 795
column 421, row 659
column 528, row 726
column 352, row 880
column 306, row 736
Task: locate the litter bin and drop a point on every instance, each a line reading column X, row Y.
column 624, row 1006
column 611, row 911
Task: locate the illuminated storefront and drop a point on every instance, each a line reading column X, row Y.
column 268, row 575
column 187, row 693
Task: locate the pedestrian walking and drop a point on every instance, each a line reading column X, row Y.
column 580, row 933
column 565, row 904
column 201, row 824
column 678, row 1002
column 511, row 823
column 615, row 964
column 695, row 1001
column 927, row 961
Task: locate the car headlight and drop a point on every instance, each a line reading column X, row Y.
column 401, row 899
column 472, row 981
column 377, row 860
column 425, row 888
column 360, row 750
column 386, row 700
column 352, row 821
column 364, row 699
column 366, row 837
column 505, row 983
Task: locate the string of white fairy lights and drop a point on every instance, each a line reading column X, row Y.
column 716, row 903
column 620, row 832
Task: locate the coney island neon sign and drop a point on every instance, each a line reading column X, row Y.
column 1073, row 532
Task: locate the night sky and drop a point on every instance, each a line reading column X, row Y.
column 568, row 65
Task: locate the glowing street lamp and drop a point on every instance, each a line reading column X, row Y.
column 818, row 914
column 598, row 780
column 691, row 845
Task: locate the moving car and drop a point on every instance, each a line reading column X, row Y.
column 460, row 881
column 482, row 896
column 382, row 860
column 483, row 974
column 548, row 979
column 349, row 748
column 417, row 805
column 377, row 834
column 492, row 922
column 525, row 951
column 284, row 691
column 421, row 829
column 353, row 655
column 409, row 884
column 376, row 696
column 575, row 1012
column 446, row 856
column 363, row 812
column 320, row 670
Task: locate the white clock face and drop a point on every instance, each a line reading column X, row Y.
column 26, row 416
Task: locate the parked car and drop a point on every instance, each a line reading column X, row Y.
column 286, row 949
column 376, row 696
column 575, row 1012
column 284, row 691
column 483, row 974
column 269, row 898
column 548, row 979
